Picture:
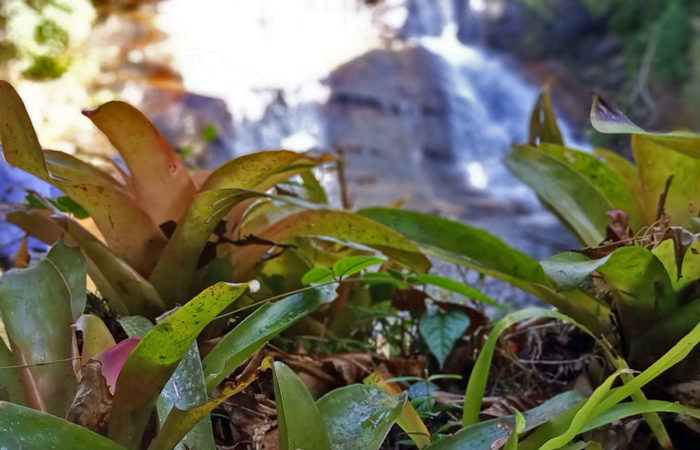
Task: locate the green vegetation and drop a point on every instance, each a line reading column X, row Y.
column 170, row 252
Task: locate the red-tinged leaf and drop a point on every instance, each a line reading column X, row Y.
column 69, row 169
column 336, row 224
column 162, row 186
column 129, row 231
column 113, row 360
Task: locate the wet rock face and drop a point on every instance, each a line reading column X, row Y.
column 184, row 117
column 390, row 105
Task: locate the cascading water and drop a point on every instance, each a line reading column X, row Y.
column 419, row 113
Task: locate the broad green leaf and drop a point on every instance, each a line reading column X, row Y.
column 642, row 289
column 126, row 291
column 37, row 224
column 300, row 422
column 666, row 330
column 689, row 263
column 10, row 380
column 605, row 118
column 351, row 265
column 335, row 224
column 254, row 331
column 185, row 390
column 628, row 172
column 27, row 428
column 543, row 121
column 96, row 336
column 458, row 288
column 479, row 376
column 35, row 304
column 159, row 179
column 486, row 253
column 613, row 187
column 19, row 141
column 72, row 267
column 154, row 360
column 569, row 269
column 483, row 434
column 359, row 416
column 656, row 164
column 409, row 420
column 569, row 193
column 460, row 243
column 317, row 275
column 582, row 415
column 441, row 329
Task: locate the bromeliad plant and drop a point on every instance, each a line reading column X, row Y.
column 115, row 389
column 642, row 261
column 162, row 234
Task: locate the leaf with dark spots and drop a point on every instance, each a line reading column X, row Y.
column 336, row 224
column 154, row 360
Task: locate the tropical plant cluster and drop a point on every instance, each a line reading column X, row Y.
column 164, row 289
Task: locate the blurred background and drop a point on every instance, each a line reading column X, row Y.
column 421, row 97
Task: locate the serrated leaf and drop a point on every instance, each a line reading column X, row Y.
column 441, row 329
